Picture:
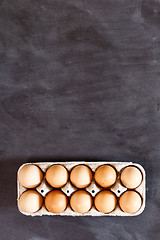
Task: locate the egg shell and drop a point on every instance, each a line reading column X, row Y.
column 130, row 201
column 57, row 175
column 131, row 177
column 56, row 201
column 105, row 176
column 105, row 201
column 30, row 201
column 81, row 176
column 30, row 176
column 81, row 201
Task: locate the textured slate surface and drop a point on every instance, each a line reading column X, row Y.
column 79, row 80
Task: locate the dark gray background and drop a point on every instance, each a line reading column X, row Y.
column 79, row 80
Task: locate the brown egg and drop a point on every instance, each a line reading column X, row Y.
column 81, row 176
column 105, row 176
column 105, row 201
column 131, row 177
column 30, row 176
column 56, row 201
column 130, row 202
column 30, row 201
column 57, row 176
column 81, row 201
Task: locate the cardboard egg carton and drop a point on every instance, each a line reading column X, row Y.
column 93, row 189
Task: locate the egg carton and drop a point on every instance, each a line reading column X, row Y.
column 93, row 189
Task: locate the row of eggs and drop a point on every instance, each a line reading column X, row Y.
column 80, row 201
column 30, row 176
